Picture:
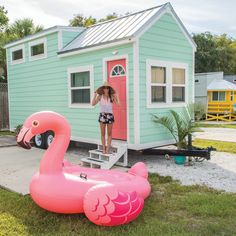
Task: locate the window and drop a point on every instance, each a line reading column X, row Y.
column 158, row 84
column 196, row 80
column 38, row 49
column 218, row 96
column 166, row 83
column 80, row 86
column 231, row 96
column 17, row 55
column 117, row 70
column 178, row 85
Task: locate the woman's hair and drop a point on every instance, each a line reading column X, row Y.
column 109, row 94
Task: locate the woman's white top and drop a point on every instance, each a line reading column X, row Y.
column 105, row 105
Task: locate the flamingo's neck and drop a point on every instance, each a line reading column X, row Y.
column 53, row 157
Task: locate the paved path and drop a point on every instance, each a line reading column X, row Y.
column 7, row 140
column 18, row 165
column 220, row 134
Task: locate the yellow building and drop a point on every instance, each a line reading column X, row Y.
column 221, row 101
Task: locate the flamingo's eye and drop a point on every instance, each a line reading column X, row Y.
column 35, row 123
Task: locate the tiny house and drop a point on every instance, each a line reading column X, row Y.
column 221, row 100
column 148, row 56
column 202, row 80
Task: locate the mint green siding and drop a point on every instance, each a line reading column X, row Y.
column 43, row 85
column 163, row 41
column 68, row 36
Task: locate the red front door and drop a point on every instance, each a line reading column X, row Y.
column 116, row 76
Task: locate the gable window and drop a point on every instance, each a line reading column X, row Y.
column 17, row 55
column 80, row 86
column 117, row 70
column 158, row 84
column 166, row 83
column 38, row 49
column 218, row 96
column 178, row 85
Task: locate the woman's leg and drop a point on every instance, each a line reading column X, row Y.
column 103, row 129
column 109, row 136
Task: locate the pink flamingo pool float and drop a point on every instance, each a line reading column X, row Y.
column 107, row 197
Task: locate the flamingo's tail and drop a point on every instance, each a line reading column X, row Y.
column 139, row 169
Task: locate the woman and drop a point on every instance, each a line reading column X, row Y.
column 106, row 96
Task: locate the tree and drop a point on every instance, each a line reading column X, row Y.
column 23, row 27
column 215, row 53
column 206, row 55
column 3, row 18
column 226, row 53
column 3, row 39
column 109, row 17
column 81, row 21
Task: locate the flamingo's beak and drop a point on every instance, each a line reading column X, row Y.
column 24, row 137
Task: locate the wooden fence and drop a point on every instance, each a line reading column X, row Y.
column 4, row 112
column 220, row 112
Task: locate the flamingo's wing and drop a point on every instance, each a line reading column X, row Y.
column 105, row 205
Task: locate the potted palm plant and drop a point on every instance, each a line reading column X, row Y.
column 180, row 125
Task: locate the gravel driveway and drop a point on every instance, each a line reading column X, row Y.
column 218, row 173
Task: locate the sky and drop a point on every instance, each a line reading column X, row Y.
column 215, row 16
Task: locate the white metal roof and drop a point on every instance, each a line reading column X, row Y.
column 43, row 33
column 220, row 84
column 121, row 28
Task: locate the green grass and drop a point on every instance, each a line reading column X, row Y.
column 171, row 209
column 220, row 146
column 2, row 133
column 207, row 125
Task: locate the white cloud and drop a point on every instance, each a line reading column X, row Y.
column 201, row 15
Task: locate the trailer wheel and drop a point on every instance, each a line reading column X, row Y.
column 39, row 141
column 48, row 138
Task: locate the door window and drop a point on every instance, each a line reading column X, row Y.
column 117, row 70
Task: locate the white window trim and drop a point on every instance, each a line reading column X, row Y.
column 14, row 62
column 40, row 56
column 117, row 75
column 180, row 85
column 91, row 87
column 168, row 65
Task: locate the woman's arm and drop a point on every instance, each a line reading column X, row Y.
column 96, row 99
column 116, row 99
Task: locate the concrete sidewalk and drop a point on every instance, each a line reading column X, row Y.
column 219, row 134
column 18, row 165
column 7, row 141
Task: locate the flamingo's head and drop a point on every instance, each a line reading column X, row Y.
column 36, row 123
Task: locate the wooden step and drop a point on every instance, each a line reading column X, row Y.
column 112, row 148
column 87, row 161
column 97, row 159
column 98, row 155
